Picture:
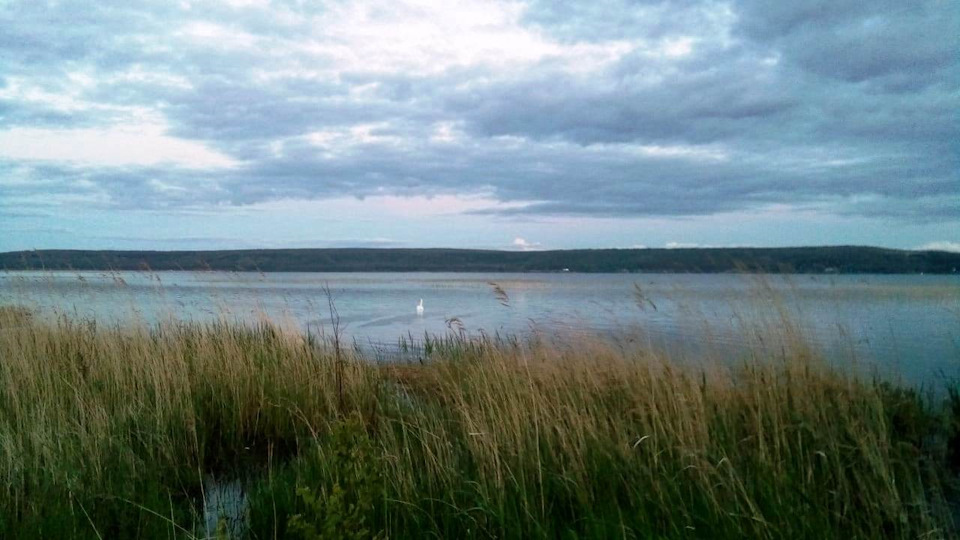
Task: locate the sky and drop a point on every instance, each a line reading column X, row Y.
column 479, row 124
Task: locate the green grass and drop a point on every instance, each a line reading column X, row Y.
column 110, row 431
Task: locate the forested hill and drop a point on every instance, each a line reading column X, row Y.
column 840, row 259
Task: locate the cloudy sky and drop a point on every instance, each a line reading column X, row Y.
column 494, row 124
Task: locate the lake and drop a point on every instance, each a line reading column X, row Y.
column 900, row 325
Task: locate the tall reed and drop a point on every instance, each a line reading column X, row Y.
column 110, row 431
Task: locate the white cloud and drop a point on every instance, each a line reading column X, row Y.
column 678, row 47
column 523, row 245
column 953, row 247
column 704, row 153
column 215, row 35
column 445, row 132
column 429, row 36
column 112, row 146
column 264, row 4
column 164, row 187
column 67, row 97
column 334, row 140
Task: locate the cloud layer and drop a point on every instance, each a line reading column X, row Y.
column 604, row 109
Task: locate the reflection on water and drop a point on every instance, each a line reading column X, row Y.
column 904, row 324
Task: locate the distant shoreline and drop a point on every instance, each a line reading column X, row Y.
column 789, row 260
column 74, row 271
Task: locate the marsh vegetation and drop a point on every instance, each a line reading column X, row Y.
column 130, row 430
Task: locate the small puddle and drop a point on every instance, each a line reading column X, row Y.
column 224, row 500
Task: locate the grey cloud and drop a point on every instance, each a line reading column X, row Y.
column 810, row 102
column 856, row 41
column 574, row 21
column 19, row 114
column 703, row 102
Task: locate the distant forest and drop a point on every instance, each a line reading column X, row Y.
column 836, row 259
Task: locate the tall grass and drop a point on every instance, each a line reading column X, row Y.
column 110, row 431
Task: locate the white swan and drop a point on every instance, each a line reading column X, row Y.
column 420, row 307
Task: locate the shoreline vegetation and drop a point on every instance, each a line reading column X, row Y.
column 815, row 260
column 194, row 430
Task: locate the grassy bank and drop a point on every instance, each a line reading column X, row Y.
column 115, row 432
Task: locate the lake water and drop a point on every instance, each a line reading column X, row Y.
column 905, row 326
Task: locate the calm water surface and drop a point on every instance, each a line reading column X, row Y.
column 901, row 325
